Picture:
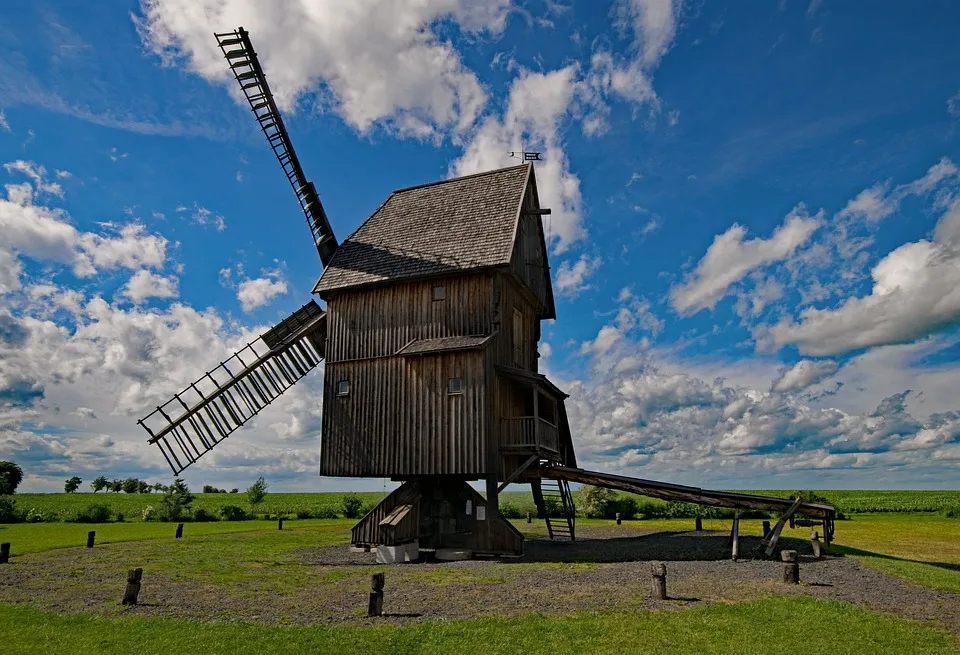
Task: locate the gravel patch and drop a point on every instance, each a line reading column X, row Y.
column 607, row 567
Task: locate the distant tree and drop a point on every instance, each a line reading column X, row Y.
column 116, row 486
column 144, row 487
column 100, row 484
column 72, row 484
column 257, row 492
column 234, row 491
column 11, row 476
column 210, row 489
column 176, row 502
column 160, row 487
column 131, row 485
column 352, row 506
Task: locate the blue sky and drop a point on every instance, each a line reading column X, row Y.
column 755, row 232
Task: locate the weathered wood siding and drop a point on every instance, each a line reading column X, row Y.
column 379, row 321
column 508, row 341
column 399, row 419
column 529, row 261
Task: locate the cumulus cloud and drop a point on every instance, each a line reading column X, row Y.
column 916, row 292
column 37, row 174
column 372, row 61
column 571, row 278
column 729, row 258
column 803, row 374
column 260, row 291
column 145, row 284
column 200, row 215
column 879, row 201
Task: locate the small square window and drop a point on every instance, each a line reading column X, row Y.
column 439, row 293
column 343, row 388
column 455, row 385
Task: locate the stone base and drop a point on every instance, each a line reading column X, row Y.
column 398, row 554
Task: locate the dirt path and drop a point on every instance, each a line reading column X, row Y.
column 600, row 570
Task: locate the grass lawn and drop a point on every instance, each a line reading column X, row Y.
column 813, row 625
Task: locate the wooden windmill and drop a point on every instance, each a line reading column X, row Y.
column 433, row 311
column 429, row 338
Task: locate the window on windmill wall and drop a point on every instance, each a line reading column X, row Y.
column 455, row 386
column 343, row 388
column 439, row 293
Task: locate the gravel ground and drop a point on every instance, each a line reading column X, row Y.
column 607, row 567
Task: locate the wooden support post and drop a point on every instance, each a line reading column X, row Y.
column 91, row 537
column 815, row 544
column 658, row 583
column 618, row 519
column 375, row 607
column 280, row 523
column 133, row 586
column 735, row 534
column 792, row 526
column 529, row 518
column 699, row 524
column 827, row 534
column 770, row 541
column 766, row 529
column 179, row 530
column 791, row 568
column 4, row 552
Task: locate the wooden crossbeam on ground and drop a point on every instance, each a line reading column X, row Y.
column 770, row 542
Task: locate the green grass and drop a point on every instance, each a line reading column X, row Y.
column 39, row 537
column 813, row 625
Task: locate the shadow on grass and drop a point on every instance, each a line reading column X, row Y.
column 856, row 552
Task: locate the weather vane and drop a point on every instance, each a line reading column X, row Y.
column 526, row 155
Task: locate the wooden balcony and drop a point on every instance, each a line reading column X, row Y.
column 528, row 434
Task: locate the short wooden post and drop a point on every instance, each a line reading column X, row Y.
column 699, row 524
column 658, row 583
column 791, row 568
column 618, row 519
column 735, row 535
column 4, row 552
column 766, row 529
column 529, row 518
column 792, row 526
column 133, row 586
column 375, row 608
column 179, row 530
column 91, row 537
column 815, row 543
column 827, row 534
column 280, row 523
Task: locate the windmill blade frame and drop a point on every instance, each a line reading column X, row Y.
column 225, row 398
column 243, row 61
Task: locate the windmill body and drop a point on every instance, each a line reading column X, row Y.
column 429, row 338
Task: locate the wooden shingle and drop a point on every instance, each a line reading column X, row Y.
column 444, row 227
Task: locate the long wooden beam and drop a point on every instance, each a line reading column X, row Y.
column 668, row 491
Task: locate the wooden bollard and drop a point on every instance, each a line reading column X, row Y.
column 658, row 583
column 280, row 523
column 4, row 552
column 815, row 543
column 133, row 586
column 179, row 530
column 792, row 524
column 91, row 537
column 619, row 522
column 791, row 568
column 698, row 526
column 529, row 518
column 766, row 529
column 375, row 608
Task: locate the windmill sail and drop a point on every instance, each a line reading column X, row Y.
column 246, row 69
column 212, row 408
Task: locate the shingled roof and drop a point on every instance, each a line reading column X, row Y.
column 433, row 229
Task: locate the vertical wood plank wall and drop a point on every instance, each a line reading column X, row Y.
column 399, row 418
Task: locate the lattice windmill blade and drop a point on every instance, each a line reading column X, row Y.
column 208, row 411
column 243, row 61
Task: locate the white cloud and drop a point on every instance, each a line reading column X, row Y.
column 371, row 61
column 878, row 201
column 145, row 284
column 260, row 291
column 38, row 174
column 953, row 105
column 200, row 215
column 571, row 278
column 654, row 25
column 4, row 125
column 803, row 374
column 916, row 292
column 729, row 258
column 536, row 105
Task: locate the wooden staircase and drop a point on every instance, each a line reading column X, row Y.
column 557, row 499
